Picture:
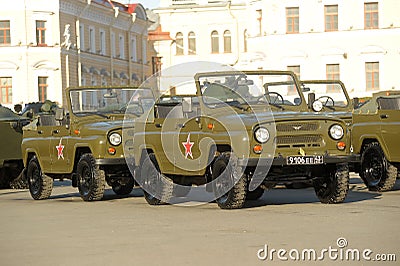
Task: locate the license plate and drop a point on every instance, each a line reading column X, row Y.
column 306, row 160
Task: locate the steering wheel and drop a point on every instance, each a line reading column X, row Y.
column 275, row 101
column 328, row 99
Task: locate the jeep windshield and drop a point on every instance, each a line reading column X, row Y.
column 331, row 93
column 107, row 101
column 250, row 88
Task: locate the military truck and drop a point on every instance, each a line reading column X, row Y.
column 251, row 128
column 81, row 143
column 375, row 137
column 10, row 142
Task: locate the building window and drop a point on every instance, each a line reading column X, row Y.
column 42, row 88
column 245, row 41
column 82, row 37
column 179, row 43
column 292, row 20
column 371, row 15
column 331, row 18
column 102, row 42
column 332, row 73
column 192, row 43
column 296, row 70
column 6, row 90
column 134, row 49
column 41, row 32
column 121, row 47
column 227, row 42
column 5, row 37
column 259, row 20
column 214, row 42
column 372, row 75
column 92, row 40
column 113, row 53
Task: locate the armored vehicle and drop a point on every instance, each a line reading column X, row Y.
column 375, row 137
column 247, row 131
column 81, row 143
column 10, row 142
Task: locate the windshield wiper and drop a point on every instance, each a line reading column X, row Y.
column 330, row 107
column 94, row 113
column 238, row 106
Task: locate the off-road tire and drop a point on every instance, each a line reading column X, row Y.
column 20, row 182
column 236, row 196
column 255, row 194
column 333, row 187
column 4, row 179
column 157, row 188
column 125, row 189
column 377, row 173
column 91, row 179
column 40, row 185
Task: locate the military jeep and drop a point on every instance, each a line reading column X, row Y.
column 251, row 128
column 81, row 143
column 375, row 137
column 10, row 142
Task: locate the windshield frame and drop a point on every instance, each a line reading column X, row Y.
column 104, row 89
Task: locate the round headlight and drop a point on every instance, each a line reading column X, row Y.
column 261, row 135
column 336, row 132
column 317, row 106
column 115, row 139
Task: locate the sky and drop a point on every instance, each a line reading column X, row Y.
column 146, row 3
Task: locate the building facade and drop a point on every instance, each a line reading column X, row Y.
column 46, row 46
column 355, row 41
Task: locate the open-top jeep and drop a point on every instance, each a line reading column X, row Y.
column 82, row 144
column 240, row 133
column 375, row 137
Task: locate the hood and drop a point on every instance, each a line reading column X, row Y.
column 103, row 126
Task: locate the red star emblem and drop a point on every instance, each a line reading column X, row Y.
column 60, row 149
column 188, row 147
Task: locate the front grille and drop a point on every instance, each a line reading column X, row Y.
column 298, row 141
column 296, row 127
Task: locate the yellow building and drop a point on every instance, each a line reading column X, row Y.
column 46, row 46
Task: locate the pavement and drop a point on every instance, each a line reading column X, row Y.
column 64, row 230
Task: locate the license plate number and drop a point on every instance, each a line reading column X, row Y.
column 306, row 160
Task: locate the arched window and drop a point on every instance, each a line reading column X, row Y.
column 192, row 42
column 214, row 42
column 245, row 41
column 179, row 43
column 227, row 42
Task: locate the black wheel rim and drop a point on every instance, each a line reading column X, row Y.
column 35, row 180
column 326, row 186
column 373, row 168
column 85, row 181
column 221, row 183
column 151, row 182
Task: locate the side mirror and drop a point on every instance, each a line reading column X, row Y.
column 59, row 116
column 311, row 100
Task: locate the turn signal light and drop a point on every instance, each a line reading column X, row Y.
column 257, row 149
column 210, row 126
column 112, row 150
column 341, row 145
column 76, row 132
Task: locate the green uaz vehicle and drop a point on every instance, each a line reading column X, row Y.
column 240, row 133
column 10, row 141
column 375, row 137
column 81, row 143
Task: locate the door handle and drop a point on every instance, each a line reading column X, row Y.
column 40, row 132
column 56, row 131
column 384, row 116
column 180, row 125
column 158, row 125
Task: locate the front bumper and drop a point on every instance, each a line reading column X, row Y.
column 111, row 161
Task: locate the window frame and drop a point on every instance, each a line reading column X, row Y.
column 8, row 90
column 6, row 33
column 192, row 43
column 214, row 42
column 179, row 46
column 331, row 18
column 373, row 74
column 292, row 20
column 369, row 22
column 42, row 88
column 40, row 32
column 227, row 41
